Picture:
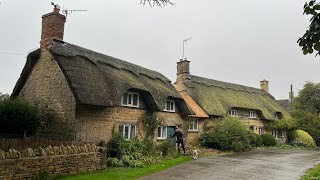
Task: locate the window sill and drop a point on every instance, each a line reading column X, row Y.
column 161, row 139
column 130, row 106
column 169, row 111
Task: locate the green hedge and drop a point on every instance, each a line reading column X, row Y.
column 228, row 134
column 17, row 116
column 302, row 138
column 268, row 140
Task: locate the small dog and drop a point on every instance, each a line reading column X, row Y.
column 195, row 154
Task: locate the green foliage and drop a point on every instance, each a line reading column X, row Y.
column 255, row 140
column 312, row 174
column 166, row 149
column 307, row 121
column 44, row 175
column 309, row 98
column 54, row 127
column 150, row 122
column 268, row 140
column 114, row 162
column 284, row 124
column 133, row 153
column 310, row 41
column 302, row 138
column 227, row 134
column 17, row 116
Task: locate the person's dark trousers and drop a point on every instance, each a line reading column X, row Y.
column 182, row 144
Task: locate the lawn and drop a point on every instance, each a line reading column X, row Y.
column 130, row 173
column 313, row 173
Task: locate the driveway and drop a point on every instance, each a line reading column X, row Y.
column 271, row 164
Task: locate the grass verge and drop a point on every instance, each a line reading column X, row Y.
column 130, row 173
column 313, row 173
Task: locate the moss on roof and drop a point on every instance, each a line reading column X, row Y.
column 217, row 98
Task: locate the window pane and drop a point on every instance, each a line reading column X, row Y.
column 121, row 130
column 172, row 106
column 135, row 99
column 124, row 99
column 126, row 132
column 164, row 132
column 133, row 132
column 159, row 131
column 168, row 105
column 130, row 99
column 195, row 125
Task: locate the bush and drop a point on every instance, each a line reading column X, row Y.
column 302, row 138
column 255, row 140
column 228, row 134
column 133, row 153
column 17, row 116
column 268, row 140
column 259, row 141
column 166, row 149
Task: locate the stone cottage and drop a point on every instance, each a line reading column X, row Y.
column 96, row 94
column 211, row 99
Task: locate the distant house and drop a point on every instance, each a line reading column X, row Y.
column 96, row 94
column 210, row 99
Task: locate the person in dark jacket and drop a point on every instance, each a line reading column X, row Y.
column 180, row 140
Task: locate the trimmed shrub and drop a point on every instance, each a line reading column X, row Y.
column 268, row 140
column 302, row 138
column 228, row 134
column 17, row 116
column 255, row 140
column 259, row 141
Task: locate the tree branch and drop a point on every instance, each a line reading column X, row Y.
column 159, row 3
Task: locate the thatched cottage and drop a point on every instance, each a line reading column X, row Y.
column 210, row 99
column 96, row 94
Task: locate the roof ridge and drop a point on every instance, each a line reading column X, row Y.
column 137, row 69
column 256, row 90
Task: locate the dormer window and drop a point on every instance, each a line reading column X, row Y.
column 130, row 99
column 252, row 114
column 233, row 112
column 170, row 106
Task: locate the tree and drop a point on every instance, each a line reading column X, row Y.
column 309, row 98
column 310, row 41
column 159, row 3
column 307, row 109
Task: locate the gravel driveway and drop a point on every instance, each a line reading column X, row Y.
column 259, row 165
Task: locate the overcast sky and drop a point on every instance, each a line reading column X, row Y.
column 235, row 41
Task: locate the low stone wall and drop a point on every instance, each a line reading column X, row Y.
column 29, row 163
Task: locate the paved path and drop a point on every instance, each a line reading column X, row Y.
column 272, row 164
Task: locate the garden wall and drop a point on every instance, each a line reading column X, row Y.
column 62, row 160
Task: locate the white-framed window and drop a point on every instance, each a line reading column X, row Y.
column 193, row 125
column 162, row 132
column 275, row 133
column 127, row 131
column 170, row 106
column 252, row 114
column 233, row 112
column 261, row 130
column 130, row 99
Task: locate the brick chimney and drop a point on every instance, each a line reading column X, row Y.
column 183, row 70
column 264, row 85
column 52, row 27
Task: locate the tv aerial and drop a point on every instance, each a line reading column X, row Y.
column 183, row 44
column 68, row 11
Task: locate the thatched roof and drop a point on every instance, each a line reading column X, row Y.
column 101, row 80
column 217, row 98
column 286, row 104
